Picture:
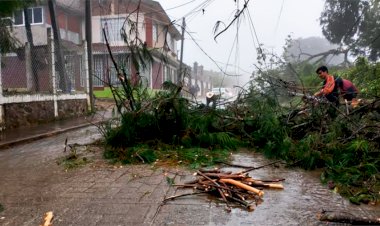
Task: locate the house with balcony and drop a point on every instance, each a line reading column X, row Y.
column 28, row 68
column 35, row 86
column 121, row 22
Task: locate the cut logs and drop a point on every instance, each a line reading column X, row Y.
column 232, row 188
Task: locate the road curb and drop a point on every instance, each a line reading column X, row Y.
column 10, row 143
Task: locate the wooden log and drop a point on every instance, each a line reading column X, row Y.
column 243, row 186
column 257, row 183
column 48, row 218
column 219, row 190
column 275, row 186
column 333, row 216
column 269, row 180
column 223, row 175
column 210, row 170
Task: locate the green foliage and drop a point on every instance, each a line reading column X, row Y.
column 8, row 7
column 200, row 157
column 1, row 208
column 322, row 136
column 170, row 181
column 217, row 140
column 134, row 128
column 354, row 24
column 8, row 42
column 366, row 76
column 73, row 159
column 138, row 154
column 191, row 157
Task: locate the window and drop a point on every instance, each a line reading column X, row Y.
column 98, row 71
column 146, row 75
column 155, row 33
column 113, row 29
column 35, row 16
column 169, row 41
column 167, row 74
column 123, row 65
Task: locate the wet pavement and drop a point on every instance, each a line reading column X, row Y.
column 14, row 136
column 101, row 194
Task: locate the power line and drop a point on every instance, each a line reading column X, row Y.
column 178, row 6
column 278, row 18
column 204, row 52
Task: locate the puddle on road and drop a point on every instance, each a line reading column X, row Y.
column 301, row 200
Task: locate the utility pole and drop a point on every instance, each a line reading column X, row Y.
column 181, row 58
column 89, row 50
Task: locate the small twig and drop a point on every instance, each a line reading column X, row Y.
column 182, row 195
column 242, row 202
column 162, row 203
column 210, row 171
column 234, row 165
column 255, row 168
column 271, row 180
column 222, row 175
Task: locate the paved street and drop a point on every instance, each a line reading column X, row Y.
column 32, row 183
column 101, row 194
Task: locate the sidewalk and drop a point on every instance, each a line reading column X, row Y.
column 15, row 136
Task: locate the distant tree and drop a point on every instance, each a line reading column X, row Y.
column 7, row 42
column 354, row 25
column 7, row 7
column 312, row 50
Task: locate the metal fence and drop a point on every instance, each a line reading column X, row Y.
column 29, row 69
column 49, row 72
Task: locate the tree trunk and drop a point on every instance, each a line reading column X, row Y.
column 64, row 80
column 34, row 86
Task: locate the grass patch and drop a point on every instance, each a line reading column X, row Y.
column 72, row 163
column 188, row 157
column 78, row 156
column 1, row 208
column 106, row 93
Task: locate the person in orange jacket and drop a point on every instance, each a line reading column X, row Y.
column 329, row 89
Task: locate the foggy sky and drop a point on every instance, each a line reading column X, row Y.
column 273, row 21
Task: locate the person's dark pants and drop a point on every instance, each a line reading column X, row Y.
column 333, row 98
column 350, row 94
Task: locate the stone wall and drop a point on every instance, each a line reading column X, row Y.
column 72, row 108
column 32, row 113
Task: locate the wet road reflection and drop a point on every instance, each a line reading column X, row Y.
column 298, row 204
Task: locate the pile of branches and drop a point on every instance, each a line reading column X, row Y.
column 234, row 189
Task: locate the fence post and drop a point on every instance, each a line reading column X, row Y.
column 2, row 121
column 87, row 73
column 28, row 67
column 53, row 75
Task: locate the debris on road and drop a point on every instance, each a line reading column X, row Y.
column 233, row 188
column 342, row 217
column 48, row 218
